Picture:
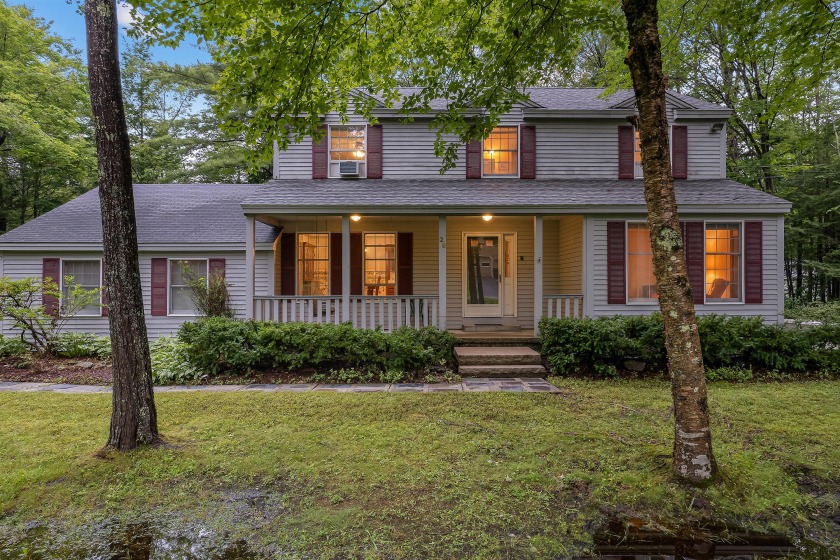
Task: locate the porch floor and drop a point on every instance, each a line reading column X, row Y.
column 495, row 338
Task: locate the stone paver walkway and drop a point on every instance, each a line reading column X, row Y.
column 468, row 384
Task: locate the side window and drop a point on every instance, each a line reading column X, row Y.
column 380, row 264
column 313, row 266
column 181, row 274
column 85, row 274
column 501, row 152
column 641, row 282
column 637, row 155
column 723, row 262
column 348, row 144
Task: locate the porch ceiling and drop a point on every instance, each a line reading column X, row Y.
column 497, row 196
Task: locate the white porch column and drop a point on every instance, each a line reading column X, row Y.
column 345, row 268
column 442, row 272
column 250, row 229
column 538, row 272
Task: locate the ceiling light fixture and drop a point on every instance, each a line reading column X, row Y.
column 355, row 217
column 487, row 217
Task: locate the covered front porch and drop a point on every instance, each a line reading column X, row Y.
column 476, row 272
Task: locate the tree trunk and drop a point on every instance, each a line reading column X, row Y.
column 693, row 460
column 133, row 418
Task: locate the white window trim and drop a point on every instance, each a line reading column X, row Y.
column 396, row 261
column 330, row 160
column 169, row 262
column 329, row 262
column 518, row 128
column 740, row 300
column 670, row 152
column 61, row 286
column 627, row 299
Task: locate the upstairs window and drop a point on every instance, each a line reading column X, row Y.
column 348, row 144
column 641, row 283
column 380, row 264
column 181, row 274
column 637, row 155
column 313, row 264
column 723, row 262
column 501, row 152
column 85, row 274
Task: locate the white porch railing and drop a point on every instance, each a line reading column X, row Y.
column 564, row 305
column 368, row 312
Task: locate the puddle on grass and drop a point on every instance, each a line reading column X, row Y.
column 628, row 543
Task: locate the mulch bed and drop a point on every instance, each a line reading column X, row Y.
column 93, row 371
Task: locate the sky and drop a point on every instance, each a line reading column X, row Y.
column 70, row 24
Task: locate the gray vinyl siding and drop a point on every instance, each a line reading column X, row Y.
column 771, row 308
column 565, row 149
column 22, row 265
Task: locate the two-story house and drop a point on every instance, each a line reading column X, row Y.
column 545, row 217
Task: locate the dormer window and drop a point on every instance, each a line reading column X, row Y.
column 501, row 152
column 348, row 151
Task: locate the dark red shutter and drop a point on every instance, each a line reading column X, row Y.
column 753, row 263
column 679, row 151
column 159, row 287
column 356, row 256
column 104, row 293
column 405, row 264
column 626, row 145
column 51, row 270
column 320, row 156
column 216, row 267
column 528, row 153
column 288, row 252
column 616, row 259
column 374, row 151
column 474, row 150
column 335, row 264
column 695, row 256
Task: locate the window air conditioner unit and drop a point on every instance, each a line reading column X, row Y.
column 348, row 168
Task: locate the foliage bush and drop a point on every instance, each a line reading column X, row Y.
column 826, row 313
column 169, row 362
column 217, row 345
column 82, row 345
column 209, row 295
column 11, row 346
column 602, row 345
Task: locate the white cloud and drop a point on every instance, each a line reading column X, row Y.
column 124, row 14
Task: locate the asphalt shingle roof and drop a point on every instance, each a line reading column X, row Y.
column 499, row 193
column 581, row 99
column 195, row 213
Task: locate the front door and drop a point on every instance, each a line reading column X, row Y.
column 489, row 275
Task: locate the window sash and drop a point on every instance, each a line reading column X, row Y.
column 641, row 281
column 380, row 267
column 500, row 152
column 313, row 264
column 723, row 261
column 90, row 281
column 348, row 143
column 180, row 302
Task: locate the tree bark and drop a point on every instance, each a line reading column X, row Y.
column 693, row 460
column 133, row 418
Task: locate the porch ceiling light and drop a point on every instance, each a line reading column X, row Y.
column 355, row 217
column 487, row 217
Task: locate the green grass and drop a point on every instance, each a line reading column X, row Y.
column 491, row 475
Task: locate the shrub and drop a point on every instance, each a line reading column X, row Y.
column 826, row 313
column 11, row 346
column 218, row 345
column 170, row 363
column 82, row 345
column 729, row 343
column 209, row 295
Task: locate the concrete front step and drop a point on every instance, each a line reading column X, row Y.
column 501, row 371
column 496, row 356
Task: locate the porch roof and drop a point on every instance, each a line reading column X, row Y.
column 501, row 196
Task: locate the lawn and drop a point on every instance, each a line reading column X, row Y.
column 485, row 475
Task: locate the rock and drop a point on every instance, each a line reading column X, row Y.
column 635, row 365
column 85, row 365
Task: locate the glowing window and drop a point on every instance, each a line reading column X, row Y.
column 723, row 262
column 313, row 264
column 501, row 152
column 641, row 282
column 347, row 143
column 380, row 264
column 637, row 155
